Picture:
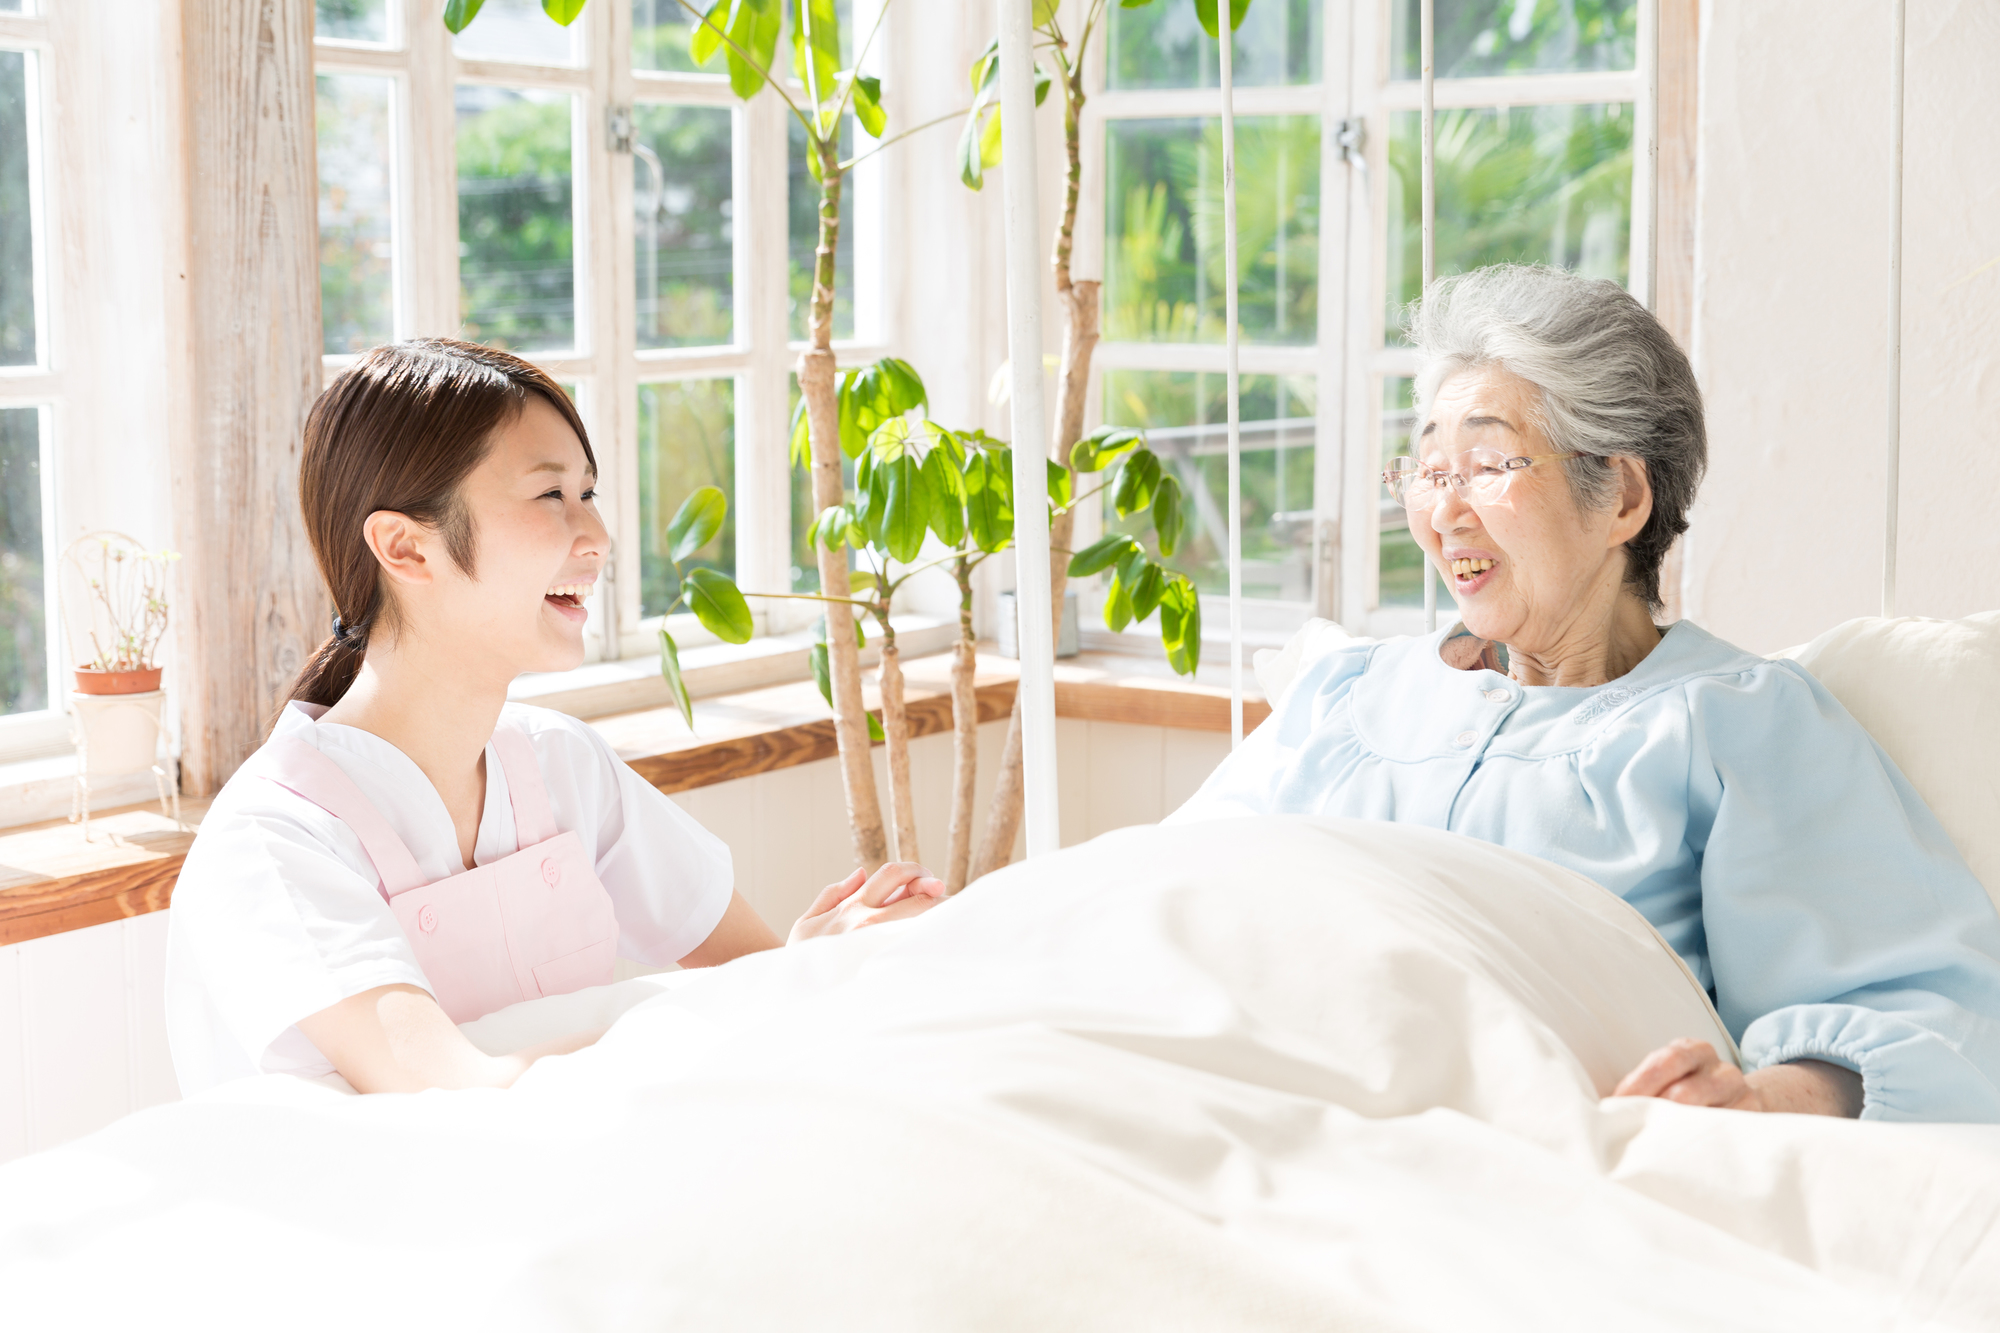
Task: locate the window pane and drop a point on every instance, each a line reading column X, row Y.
column 687, row 439
column 354, row 212
column 1164, row 279
column 1534, row 185
column 803, row 196
column 516, row 231
column 24, row 664
column 514, row 30
column 1401, row 569
column 1476, row 37
column 352, row 20
column 17, row 241
column 1185, row 415
column 1162, row 46
column 660, row 31
column 681, row 174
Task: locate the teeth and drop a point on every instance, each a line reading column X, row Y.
column 1467, row 568
column 578, row 590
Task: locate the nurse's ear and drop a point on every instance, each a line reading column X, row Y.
column 402, row 546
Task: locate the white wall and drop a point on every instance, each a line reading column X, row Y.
column 1790, row 315
column 82, row 1032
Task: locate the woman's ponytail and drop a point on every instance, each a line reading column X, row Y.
column 400, row 430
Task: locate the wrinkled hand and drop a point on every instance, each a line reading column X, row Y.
column 1691, row 1073
column 898, row 890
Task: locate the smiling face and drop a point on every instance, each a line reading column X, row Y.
column 1532, row 567
column 538, row 546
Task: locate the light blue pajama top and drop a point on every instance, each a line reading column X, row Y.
column 1731, row 799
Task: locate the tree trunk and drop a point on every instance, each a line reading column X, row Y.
column 964, row 741
column 1079, row 344
column 896, row 730
column 816, row 386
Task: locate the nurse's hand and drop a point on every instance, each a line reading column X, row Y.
column 899, row 889
column 1690, row 1072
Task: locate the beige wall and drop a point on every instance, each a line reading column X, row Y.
column 1790, row 315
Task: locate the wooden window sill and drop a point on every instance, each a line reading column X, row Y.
column 52, row 881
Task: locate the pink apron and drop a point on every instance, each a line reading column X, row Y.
column 535, row 923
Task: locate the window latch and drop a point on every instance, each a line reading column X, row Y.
column 1351, row 136
column 618, row 128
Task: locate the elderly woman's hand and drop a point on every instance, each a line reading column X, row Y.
column 1690, row 1072
column 899, row 889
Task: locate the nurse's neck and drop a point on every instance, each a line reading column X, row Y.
column 439, row 708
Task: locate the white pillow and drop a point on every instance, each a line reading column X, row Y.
column 1928, row 691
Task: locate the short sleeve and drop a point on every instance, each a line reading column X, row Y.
column 272, row 912
column 1272, row 771
column 670, row 879
column 1842, row 924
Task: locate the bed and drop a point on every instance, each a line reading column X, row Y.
column 1277, row 1073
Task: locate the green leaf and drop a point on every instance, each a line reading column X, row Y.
column 1168, row 517
column 1137, row 479
column 458, row 13
column 670, row 671
column 695, row 523
column 947, row 487
column 718, row 605
column 989, row 141
column 989, row 498
column 1044, row 12
column 1180, row 625
column 1146, row 590
column 853, row 435
column 755, row 30
column 890, row 440
column 833, row 527
column 868, row 111
column 860, row 621
column 1042, row 82
column 562, row 11
column 816, row 54
column 801, row 436
column 1100, row 554
column 706, row 38
column 875, row 732
column 822, row 672
column 971, row 165
column 872, row 491
column 1204, row 12
column 906, row 511
column 1059, row 485
column 1117, row 606
column 1131, row 565
column 1094, row 452
column 860, row 580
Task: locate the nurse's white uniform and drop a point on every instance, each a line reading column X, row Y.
column 277, row 914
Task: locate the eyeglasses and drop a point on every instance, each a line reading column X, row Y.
column 1480, row 476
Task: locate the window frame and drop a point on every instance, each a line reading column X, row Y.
column 42, row 385
column 607, row 367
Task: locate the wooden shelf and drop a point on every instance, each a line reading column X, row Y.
column 52, row 881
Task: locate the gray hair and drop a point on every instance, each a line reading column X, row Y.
column 1611, row 380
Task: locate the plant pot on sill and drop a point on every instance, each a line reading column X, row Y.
column 117, row 682
column 117, row 735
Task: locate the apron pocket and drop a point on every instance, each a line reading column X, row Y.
column 588, row 966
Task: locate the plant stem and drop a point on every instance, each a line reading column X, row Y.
column 965, row 735
column 896, row 734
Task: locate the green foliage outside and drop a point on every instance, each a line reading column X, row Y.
column 352, row 20
column 1164, row 252
column 24, row 668
column 1536, row 185
column 684, row 225
column 17, row 242
column 1164, row 46
column 352, row 115
column 1476, row 38
column 516, row 231
column 687, row 440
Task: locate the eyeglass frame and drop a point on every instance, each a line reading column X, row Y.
column 1510, row 465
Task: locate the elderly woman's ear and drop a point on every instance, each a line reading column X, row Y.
column 1635, row 498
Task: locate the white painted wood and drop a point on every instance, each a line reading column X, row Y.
column 151, row 1079
column 74, row 1033
column 1514, row 90
column 1124, row 785
column 14, row 1137
column 1186, row 760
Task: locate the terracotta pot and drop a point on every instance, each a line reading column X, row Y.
column 117, row 682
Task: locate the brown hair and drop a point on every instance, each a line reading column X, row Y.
column 400, row 430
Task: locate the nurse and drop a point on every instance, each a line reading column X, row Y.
column 409, row 851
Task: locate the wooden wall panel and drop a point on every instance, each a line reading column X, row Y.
column 251, row 604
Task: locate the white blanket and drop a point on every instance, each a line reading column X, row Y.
column 1260, row 1074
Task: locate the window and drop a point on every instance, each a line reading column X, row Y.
column 1534, row 163
column 588, row 198
column 30, row 699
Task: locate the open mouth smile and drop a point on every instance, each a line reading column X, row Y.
column 567, row 598
column 1471, row 573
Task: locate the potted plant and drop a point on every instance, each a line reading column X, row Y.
column 115, row 609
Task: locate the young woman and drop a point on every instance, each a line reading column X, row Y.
column 409, row 851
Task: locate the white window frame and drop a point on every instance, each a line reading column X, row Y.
column 42, row 385
column 1350, row 359
column 607, row 366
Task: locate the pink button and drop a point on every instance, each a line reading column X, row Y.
column 427, row 918
column 551, row 873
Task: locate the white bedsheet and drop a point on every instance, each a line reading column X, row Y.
column 1258, row 1074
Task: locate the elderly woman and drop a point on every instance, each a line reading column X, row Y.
column 1730, row 799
